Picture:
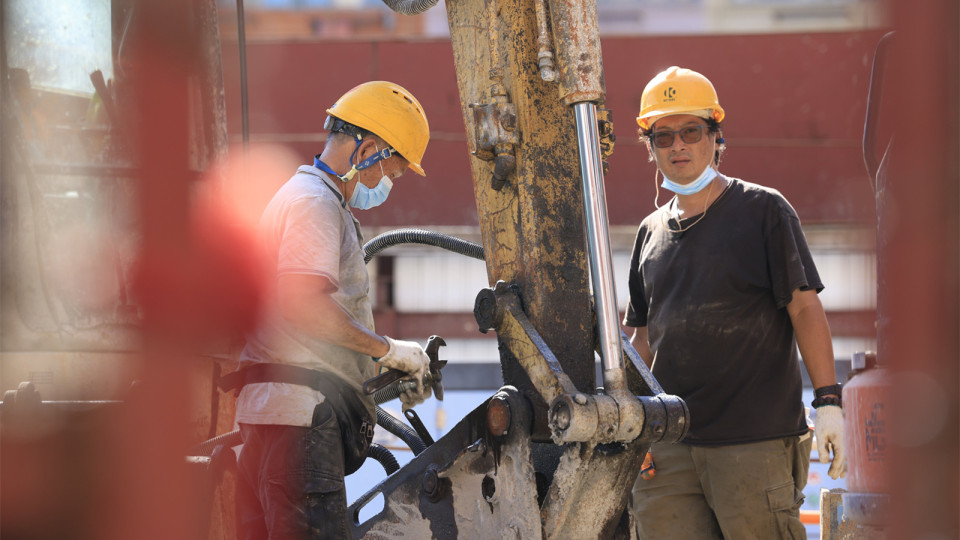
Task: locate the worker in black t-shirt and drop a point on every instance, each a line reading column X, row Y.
column 723, row 290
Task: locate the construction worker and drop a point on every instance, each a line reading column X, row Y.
column 304, row 419
column 722, row 291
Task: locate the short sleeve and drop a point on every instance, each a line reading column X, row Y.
column 789, row 260
column 636, row 315
column 310, row 239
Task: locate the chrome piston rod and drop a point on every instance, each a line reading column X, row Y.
column 598, row 238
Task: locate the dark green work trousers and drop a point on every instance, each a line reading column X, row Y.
column 735, row 492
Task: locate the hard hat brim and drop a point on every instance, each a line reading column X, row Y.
column 649, row 118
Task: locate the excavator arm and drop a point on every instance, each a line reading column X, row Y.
column 549, row 455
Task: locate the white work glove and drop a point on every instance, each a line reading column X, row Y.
column 409, row 356
column 828, row 429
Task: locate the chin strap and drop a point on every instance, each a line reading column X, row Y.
column 369, row 162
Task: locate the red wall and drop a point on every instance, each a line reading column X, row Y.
column 795, row 108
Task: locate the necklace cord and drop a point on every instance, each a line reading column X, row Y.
column 681, row 228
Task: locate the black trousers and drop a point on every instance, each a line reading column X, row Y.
column 290, row 483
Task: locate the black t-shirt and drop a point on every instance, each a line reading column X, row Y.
column 713, row 299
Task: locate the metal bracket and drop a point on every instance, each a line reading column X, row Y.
column 495, row 136
column 607, row 137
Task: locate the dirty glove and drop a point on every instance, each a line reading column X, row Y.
column 409, row 357
column 828, row 429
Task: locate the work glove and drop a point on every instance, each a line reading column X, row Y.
column 828, row 429
column 408, row 356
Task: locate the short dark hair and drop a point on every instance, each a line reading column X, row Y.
column 336, row 125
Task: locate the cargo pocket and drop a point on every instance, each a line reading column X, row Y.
column 785, row 501
column 323, row 450
column 326, row 509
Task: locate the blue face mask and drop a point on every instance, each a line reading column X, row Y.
column 364, row 198
column 708, row 174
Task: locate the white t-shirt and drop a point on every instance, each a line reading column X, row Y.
column 307, row 229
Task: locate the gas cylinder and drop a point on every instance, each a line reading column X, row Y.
column 865, row 426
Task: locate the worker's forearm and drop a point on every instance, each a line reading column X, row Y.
column 640, row 342
column 815, row 344
column 325, row 320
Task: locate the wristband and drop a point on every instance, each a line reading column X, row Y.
column 821, row 401
column 828, row 390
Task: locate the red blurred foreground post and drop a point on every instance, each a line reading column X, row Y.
column 157, row 498
column 922, row 261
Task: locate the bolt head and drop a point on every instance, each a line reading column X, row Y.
column 430, row 482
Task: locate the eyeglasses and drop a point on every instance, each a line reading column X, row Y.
column 689, row 135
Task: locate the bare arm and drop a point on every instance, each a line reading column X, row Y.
column 305, row 301
column 642, row 345
column 813, row 337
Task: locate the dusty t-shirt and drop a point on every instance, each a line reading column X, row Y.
column 307, row 229
column 713, row 299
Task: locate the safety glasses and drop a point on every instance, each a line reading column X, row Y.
column 689, row 135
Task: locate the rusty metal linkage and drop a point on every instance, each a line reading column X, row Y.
column 574, row 416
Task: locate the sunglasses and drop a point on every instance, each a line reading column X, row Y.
column 689, row 135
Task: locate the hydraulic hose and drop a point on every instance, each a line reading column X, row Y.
column 384, row 457
column 410, row 7
column 398, row 428
column 420, row 236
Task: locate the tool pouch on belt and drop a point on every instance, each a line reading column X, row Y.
column 356, row 425
column 356, row 429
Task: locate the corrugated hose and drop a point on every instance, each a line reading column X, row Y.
column 410, row 7
column 421, row 236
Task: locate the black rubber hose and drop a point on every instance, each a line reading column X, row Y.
column 398, row 428
column 410, row 7
column 420, row 236
column 384, row 457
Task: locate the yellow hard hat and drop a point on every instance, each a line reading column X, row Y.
column 678, row 91
column 389, row 111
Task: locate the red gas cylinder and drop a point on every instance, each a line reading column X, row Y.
column 865, row 426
